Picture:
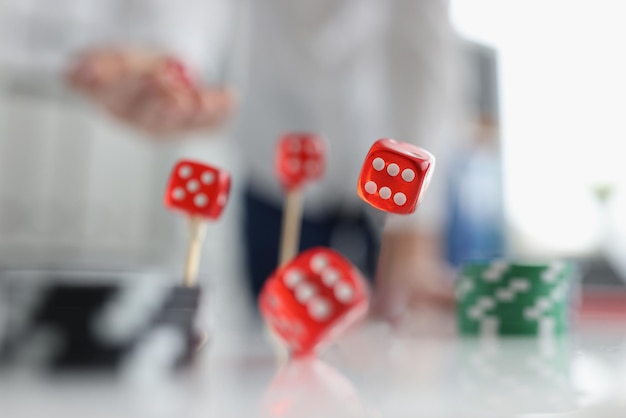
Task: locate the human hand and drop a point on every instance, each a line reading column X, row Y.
column 412, row 274
column 151, row 92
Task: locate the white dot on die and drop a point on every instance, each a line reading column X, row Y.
column 201, row 200
column 193, row 186
column 273, row 301
column 293, row 277
column 330, row 276
column 319, row 309
column 178, row 193
column 408, row 175
column 399, row 199
column 221, row 200
column 343, row 292
column 295, row 146
column 293, row 165
column 318, row 263
column 311, row 148
column 393, row 169
column 298, row 328
column 304, row 292
column 312, row 167
column 208, row 177
column 378, row 163
column 371, row 187
column 385, row 192
column 185, row 171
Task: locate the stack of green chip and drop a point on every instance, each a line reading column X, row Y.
column 501, row 298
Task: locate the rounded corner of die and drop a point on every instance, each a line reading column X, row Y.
column 380, row 142
column 185, row 164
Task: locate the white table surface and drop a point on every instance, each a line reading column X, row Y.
column 418, row 369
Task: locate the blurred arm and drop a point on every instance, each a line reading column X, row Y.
column 420, row 90
column 134, row 79
column 421, row 87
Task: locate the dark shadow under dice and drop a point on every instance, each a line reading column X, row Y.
column 62, row 322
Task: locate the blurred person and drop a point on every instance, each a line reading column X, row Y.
column 77, row 191
column 353, row 71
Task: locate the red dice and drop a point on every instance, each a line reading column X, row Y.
column 197, row 189
column 395, row 175
column 300, row 158
column 314, row 298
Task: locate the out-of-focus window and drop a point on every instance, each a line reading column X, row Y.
column 563, row 94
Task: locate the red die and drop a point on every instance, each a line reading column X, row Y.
column 313, row 298
column 197, row 189
column 395, row 175
column 300, row 158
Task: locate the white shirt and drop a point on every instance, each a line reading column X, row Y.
column 74, row 185
column 76, row 188
column 353, row 71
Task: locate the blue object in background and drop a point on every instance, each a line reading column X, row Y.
column 476, row 220
column 475, row 199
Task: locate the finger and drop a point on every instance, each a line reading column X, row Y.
column 162, row 107
column 214, row 108
column 167, row 102
column 436, row 299
column 147, row 117
column 433, row 289
column 174, row 73
column 95, row 69
column 391, row 297
column 127, row 96
column 391, row 304
column 385, row 303
column 166, row 115
column 173, row 119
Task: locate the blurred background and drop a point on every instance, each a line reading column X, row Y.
column 541, row 175
column 561, row 90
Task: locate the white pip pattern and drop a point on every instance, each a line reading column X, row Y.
column 479, row 310
column 306, row 293
column 192, row 186
column 495, row 271
column 508, row 293
column 550, row 274
column 303, row 163
column 464, row 287
column 538, row 312
column 393, row 169
column 544, row 304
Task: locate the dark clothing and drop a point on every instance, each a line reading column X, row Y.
column 352, row 235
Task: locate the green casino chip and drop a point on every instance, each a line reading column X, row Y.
column 502, row 298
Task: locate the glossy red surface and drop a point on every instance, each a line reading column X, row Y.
column 313, row 299
column 300, row 158
column 197, row 189
column 395, row 175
